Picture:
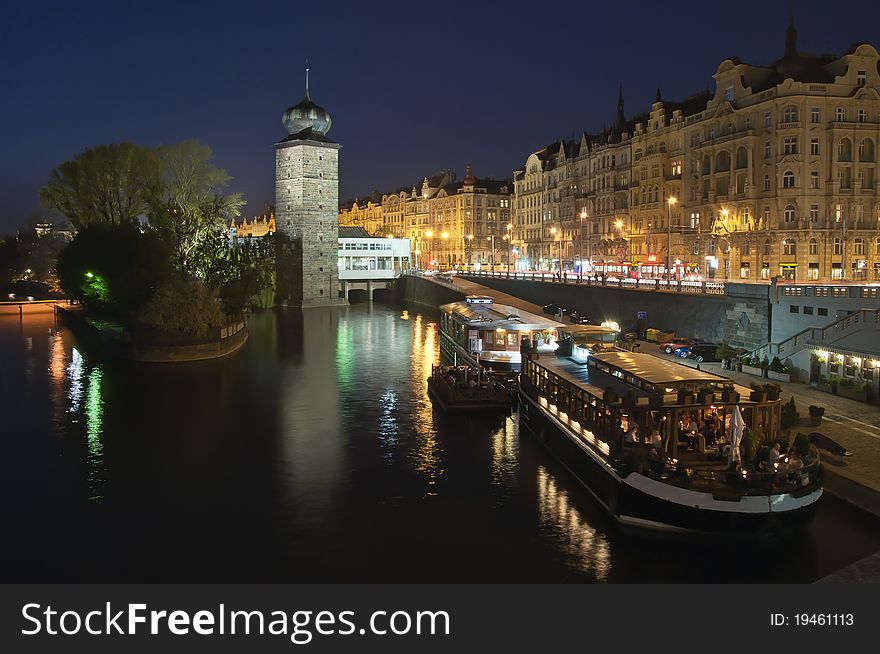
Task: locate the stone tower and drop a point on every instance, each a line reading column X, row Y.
column 306, row 201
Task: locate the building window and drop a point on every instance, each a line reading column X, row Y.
column 838, row 246
column 766, row 149
column 822, row 311
column 863, row 116
column 859, row 246
column 744, row 271
column 728, row 94
column 841, row 114
column 766, row 182
column 814, row 246
column 747, row 249
column 814, row 114
column 814, row 179
column 789, row 115
column 788, row 180
column 710, row 250
column 789, row 145
column 838, row 213
column 696, row 249
column 789, row 246
column 767, row 119
column 748, row 122
column 788, row 214
column 808, row 311
column 793, row 308
column 766, row 247
column 814, row 146
column 814, row 213
column 861, row 78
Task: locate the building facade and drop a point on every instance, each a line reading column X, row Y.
column 449, row 223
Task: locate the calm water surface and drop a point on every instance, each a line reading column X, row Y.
column 313, row 455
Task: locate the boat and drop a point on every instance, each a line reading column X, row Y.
column 578, row 408
column 462, row 388
column 481, row 333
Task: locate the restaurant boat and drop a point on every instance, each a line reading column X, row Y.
column 479, row 332
column 580, row 408
column 462, row 388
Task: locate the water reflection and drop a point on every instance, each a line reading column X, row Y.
column 94, row 423
column 587, row 549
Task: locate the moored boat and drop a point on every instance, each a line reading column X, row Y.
column 671, row 480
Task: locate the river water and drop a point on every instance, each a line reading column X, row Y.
column 314, row 454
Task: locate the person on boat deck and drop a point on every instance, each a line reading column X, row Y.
column 632, row 436
column 710, row 432
column 774, row 453
column 689, row 429
column 656, row 440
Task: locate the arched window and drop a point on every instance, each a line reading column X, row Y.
column 722, row 161
column 814, row 246
column 788, row 179
column 650, row 149
column 643, row 196
column 844, row 150
column 638, row 155
column 859, row 246
column 789, row 246
column 742, row 158
column 790, row 114
column 866, row 150
column 789, row 213
column 766, row 246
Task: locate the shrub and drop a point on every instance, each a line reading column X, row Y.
column 802, row 445
column 789, row 414
column 184, row 307
column 776, row 365
column 765, row 363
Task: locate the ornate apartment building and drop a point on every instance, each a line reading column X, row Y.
column 448, row 222
column 773, row 174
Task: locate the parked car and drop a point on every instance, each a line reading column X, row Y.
column 550, row 309
column 579, row 317
column 703, row 352
column 673, row 344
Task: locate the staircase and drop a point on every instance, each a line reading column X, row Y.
column 818, row 335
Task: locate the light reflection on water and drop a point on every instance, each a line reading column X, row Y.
column 315, row 454
column 586, row 549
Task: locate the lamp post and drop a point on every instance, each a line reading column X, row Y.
column 669, row 202
column 508, row 238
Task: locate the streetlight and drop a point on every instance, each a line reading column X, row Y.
column 583, row 216
column 669, row 202
column 508, row 238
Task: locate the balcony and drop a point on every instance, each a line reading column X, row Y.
column 794, row 124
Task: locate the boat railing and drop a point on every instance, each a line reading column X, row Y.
column 462, row 384
column 738, row 480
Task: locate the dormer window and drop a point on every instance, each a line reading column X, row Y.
column 728, row 94
column 861, row 78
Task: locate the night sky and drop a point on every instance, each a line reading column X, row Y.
column 412, row 87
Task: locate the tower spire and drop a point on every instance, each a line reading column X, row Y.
column 307, row 79
column 790, row 37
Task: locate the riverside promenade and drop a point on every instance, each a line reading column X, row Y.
column 855, row 425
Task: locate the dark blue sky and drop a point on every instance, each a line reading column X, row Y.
column 412, row 87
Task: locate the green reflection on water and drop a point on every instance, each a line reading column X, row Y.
column 345, row 355
column 94, row 410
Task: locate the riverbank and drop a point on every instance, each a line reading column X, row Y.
column 122, row 344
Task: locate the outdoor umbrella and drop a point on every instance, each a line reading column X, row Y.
column 737, row 427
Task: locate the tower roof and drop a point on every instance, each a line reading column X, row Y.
column 306, row 115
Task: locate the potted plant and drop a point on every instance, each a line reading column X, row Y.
column 729, row 395
column 816, row 413
column 685, row 396
column 773, row 391
column 758, row 394
column 706, row 395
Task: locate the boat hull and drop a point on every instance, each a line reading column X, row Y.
column 646, row 506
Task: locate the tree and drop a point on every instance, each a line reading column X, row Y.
column 240, row 272
column 188, row 207
column 183, row 307
column 106, row 185
column 114, row 269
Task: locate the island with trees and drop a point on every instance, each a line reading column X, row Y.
column 152, row 267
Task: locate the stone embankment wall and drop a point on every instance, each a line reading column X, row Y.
column 410, row 288
column 741, row 317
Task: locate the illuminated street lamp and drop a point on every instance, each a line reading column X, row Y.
column 669, row 202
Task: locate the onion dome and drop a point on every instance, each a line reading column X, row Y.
column 306, row 115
